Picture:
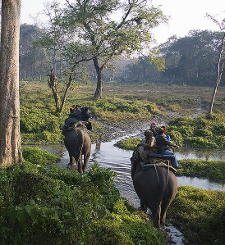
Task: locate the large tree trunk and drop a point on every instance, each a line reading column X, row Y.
column 10, row 142
column 98, row 91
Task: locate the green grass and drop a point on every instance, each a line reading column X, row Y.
column 205, row 131
column 128, row 143
column 44, row 204
column 200, row 215
column 213, row 170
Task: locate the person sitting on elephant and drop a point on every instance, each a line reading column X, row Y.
column 75, row 112
column 164, row 147
column 85, row 116
column 148, row 152
column 147, row 146
column 164, row 133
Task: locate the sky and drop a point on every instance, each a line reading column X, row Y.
column 184, row 15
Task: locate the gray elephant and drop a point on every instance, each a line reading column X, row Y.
column 155, row 185
column 78, row 144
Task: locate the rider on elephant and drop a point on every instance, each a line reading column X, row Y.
column 164, row 147
column 85, row 116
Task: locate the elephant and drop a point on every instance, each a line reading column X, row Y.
column 78, row 143
column 156, row 187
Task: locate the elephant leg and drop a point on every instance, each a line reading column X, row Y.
column 70, row 164
column 86, row 158
column 143, row 206
column 164, row 207
column 156, row 213
column 79, row 162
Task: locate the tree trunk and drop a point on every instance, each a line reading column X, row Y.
column 10, row 141
column 98, row 91
column 53, row 85
column 213, row 97
column 220, row 68
column 63, row 101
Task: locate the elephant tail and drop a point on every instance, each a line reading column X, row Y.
column 80, row 150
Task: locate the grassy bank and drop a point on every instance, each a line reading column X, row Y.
column 200, row 215
column 43, row 204
column 40, row 125
column 213, row 170
column 205, row 131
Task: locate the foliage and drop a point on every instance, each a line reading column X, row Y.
column 100, row 38
column 115, row 109
column 43, row 204
column 199, row 214
column 204, row 131
column 128, row 143
column 38, row 156
column 190, row 60
column 213, row 170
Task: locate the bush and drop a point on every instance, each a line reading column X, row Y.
column 39, row 156
column 199, row 214
column 42, row 204
column 206, row 131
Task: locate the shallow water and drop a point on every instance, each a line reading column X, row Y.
column 118, row 160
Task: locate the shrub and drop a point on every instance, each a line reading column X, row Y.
column 181, row 121
column 200, row 142
column 199, row 214
column 199, row 132
column 39, row 156
column 43, row 204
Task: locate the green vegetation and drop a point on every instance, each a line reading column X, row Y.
column 40, row 125
column 205, row 131
column 39, row 156
column 213, row 170
column 128, row 143
column 43, row 204
column 199, row 214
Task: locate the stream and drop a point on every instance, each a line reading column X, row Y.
column 118, row 160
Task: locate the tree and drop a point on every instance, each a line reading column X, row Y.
column 53, row 39
column 10, row 142
column 220, row 61
column 33, row 59
column 99, row 37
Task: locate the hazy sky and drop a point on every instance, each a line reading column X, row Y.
column 185, row 15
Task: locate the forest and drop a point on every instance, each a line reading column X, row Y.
column 190, row 60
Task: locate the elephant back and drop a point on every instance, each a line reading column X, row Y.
column 74, row 142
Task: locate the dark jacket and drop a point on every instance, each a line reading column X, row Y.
column 163, row 144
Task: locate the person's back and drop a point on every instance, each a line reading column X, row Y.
column 164, row 147
column 85, row 115
column 76, row 113
column 162, row 142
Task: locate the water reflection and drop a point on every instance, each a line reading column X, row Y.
column 109, row 156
